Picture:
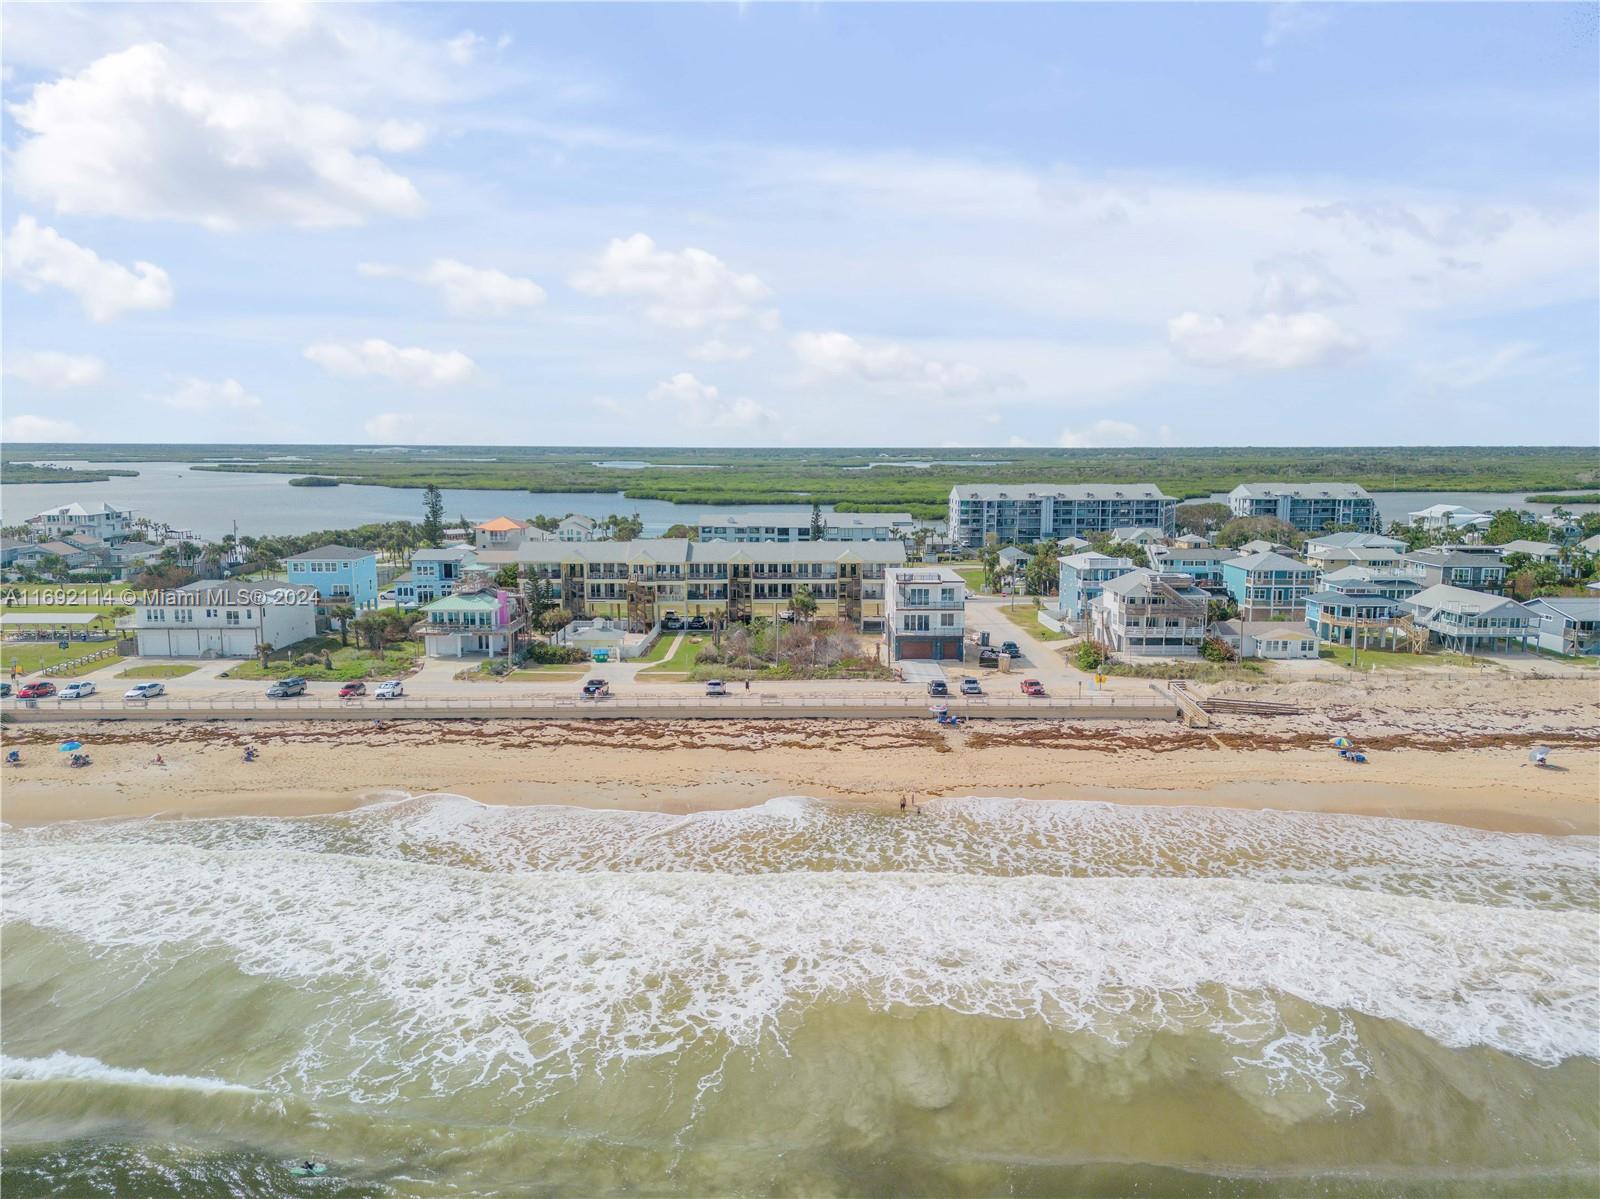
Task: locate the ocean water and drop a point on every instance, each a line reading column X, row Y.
column 989, row 997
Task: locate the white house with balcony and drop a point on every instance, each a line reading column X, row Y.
column 223, row 619
column 1150, row 613
column 471, row 622
column 108, row 523
column 925, row 613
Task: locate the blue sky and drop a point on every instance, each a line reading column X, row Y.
column 803, row 224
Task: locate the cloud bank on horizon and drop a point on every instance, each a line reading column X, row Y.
column 850, row 225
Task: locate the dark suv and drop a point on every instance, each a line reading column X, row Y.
column 938, row 688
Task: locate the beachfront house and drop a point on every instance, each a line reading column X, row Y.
column 341, row 574
column 1343, row 616
column 105, row 521
column 1267, row 584
column 796, row 526
column 1476, row 567
column 434, row 574
column 1470, row 622
column 1310, row 507
column 1441, row 518
column 465, row 623
column 1394, row 583
column 1027, row 513
column 213, row 619
column 1147, row 613
column 925, row 613
column 1278, row 640
column 1082, row 577
column 1014, row 561
column 577, row 527
column 1144, row 538
column 1203, row 564
column 1567, row 624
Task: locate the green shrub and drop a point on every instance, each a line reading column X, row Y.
column 1089, row 656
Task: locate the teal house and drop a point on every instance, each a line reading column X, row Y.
column 340, row 574
column 1267, row 585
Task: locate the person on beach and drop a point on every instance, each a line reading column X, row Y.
column 747, row 684
column 902, row 803
column 158, row 760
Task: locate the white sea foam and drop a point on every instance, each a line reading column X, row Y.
column 61, row 1066
column 990, row 836
column 472, row 976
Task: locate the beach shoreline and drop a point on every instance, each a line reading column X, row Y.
column 682, row 767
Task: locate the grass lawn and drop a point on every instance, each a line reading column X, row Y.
column 170, row 670
column 658, row 651
column 1389, row 660
column 30, row 656
column 973, row 576
column 349, row 662
column 1026, row 619
column 682, row 659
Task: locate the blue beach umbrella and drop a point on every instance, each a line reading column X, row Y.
column 1340, row 742
column 69, row 746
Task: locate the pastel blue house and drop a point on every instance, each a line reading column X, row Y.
column 1265, row 585
column 1083, row 577
column 433, row 574
column 340, row 574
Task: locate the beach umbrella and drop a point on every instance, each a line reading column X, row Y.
column 69, row 746
column 1538, row 753
column 1340, row 742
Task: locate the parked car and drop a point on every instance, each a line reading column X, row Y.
column 698, row 624
column 37, row 691
column 284, row 688
column 145, row 691
column 5, row 690
column 1012, row 648
column 78, row 690
column 671, row 624
column 352, row 690
column 596, row 688
column 971, row 686
column 716, row 687
column 1032, row 688
column 393, row 689
column 938, row 687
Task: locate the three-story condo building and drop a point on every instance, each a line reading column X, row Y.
column 1082, row 578
column 1266, row 585
column 101, row 520
column 925, row 613
column 1024, row 513
column 1311, row 507
column 1147, row 613
column 652, row 579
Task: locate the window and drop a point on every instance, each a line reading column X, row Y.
column 233, row 617
column 916, row 623
column 947, row 620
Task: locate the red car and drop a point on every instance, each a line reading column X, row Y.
column 1032, row 687
column 37, row 691
column 351, row 690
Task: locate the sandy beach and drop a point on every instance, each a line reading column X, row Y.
column 1447, row 749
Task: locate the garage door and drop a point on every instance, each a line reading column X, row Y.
column 238, row 645
column 907, row 648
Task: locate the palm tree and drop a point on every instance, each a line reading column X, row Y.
column 263, row 652
column 344, row 614
column 803, row 604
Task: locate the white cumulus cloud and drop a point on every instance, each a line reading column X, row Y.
column 201, row 395
column 702, row 405
column 680, row 289
column 26, row 427
column 839, row 354
column 137, row 135
column 37, row 257
column 55, row 370
column 411, row 365
column 467, row 289
column 1270, row 342
column 1101, row 434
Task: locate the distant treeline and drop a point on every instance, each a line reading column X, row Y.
column 21, row 472
column 1582, row 497
column 856, row 480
